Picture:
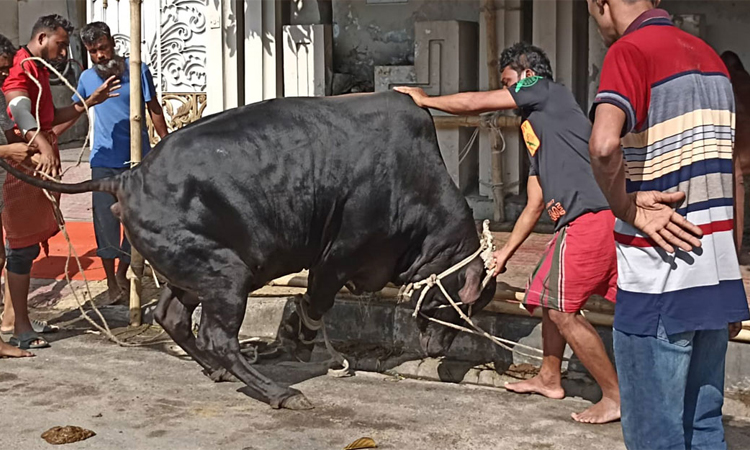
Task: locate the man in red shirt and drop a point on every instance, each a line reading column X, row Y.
column 661, row 151
column 28, row 217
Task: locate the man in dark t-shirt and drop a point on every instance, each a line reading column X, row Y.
column 580, row 260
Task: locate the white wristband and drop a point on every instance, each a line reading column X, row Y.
column 20, row 108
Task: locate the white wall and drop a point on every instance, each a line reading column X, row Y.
column 727, row 23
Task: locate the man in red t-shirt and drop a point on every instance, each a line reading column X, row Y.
column 661, row 151
column 28, row 217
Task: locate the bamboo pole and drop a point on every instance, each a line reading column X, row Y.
column 475, row 121
column 136, row 127
column 493, row 76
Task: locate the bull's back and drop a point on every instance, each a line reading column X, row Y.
column 270, row 174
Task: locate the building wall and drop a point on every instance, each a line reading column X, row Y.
column 726, row 29
column 726, row 23
column 368, row 33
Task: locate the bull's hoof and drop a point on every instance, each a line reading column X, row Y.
column 220, row 376
column 297, row 402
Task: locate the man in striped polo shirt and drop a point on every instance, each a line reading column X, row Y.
column 661, row 150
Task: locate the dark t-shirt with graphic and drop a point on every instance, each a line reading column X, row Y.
column 556, row 133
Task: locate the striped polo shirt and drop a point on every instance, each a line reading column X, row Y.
column 679, row 133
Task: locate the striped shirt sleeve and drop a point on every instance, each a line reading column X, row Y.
column 623, row 84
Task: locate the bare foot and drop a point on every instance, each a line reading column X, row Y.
column 537, row 386
column 9, row 351
column 607, row 410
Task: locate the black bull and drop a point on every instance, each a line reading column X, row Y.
column 352, row 188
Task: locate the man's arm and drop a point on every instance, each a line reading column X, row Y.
column 157, row 117
column 464, row 102
column 649, row 211
column 72, row 112
column 20, row 107
column 524, row 225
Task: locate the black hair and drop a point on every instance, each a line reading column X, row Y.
column 95, row 31
column 732, row 61
column 6, row 47
column 51, row 23
column 522, row 56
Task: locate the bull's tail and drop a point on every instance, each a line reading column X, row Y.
column 111, row 184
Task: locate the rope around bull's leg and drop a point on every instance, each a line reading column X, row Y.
column 315, row 325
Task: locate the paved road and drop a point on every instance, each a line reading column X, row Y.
column 148, row 399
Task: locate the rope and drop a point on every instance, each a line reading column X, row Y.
column 105, row 330
column 315, row 325
column 485, row 251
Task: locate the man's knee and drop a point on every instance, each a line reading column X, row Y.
column 561, row 319
column 20, row 260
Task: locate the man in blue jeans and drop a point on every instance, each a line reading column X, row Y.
column 661, row 151
column 110, row 151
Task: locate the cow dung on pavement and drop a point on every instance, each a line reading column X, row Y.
column 66, row 435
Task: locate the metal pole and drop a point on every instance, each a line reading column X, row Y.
column 136, row 127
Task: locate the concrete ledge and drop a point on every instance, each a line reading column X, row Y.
column 382, row 336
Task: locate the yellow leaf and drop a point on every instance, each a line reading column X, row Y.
column 365, row 442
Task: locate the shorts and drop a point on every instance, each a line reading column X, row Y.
column 111, row 242
column 579, row 261
column 20, row 260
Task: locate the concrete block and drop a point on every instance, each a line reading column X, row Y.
column 386, row 77
column 405, row 331
column 308, row 51
column 361, row 321
column 472, row 347
column 263, row 316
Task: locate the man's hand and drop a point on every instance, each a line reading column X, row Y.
column 501, row 259
column 104, row 92
column 734, row 329
column 652, row 213
column 18, row 151
column 416, row 94
column 49, row 162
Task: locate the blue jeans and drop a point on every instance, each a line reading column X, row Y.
column 672, row 389
column 110, row 241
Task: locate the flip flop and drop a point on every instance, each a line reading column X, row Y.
column 26, row 341
column 39, row 326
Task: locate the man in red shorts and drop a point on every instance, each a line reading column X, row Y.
column 580, row 260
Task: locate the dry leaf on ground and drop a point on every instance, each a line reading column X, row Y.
column 364, row 442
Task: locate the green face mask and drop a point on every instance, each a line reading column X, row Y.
column 527, row 82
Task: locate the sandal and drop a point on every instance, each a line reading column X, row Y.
column 39, row 326
column 28, row 341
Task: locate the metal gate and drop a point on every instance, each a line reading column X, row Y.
column 173, row 46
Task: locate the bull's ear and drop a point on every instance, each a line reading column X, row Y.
column 472, row 287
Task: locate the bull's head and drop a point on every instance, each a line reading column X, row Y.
column 465, row 287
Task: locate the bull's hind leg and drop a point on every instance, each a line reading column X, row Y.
column 220, row 325
column 174, row 312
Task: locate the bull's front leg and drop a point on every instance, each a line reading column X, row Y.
column 173, row 313
column 299, row 330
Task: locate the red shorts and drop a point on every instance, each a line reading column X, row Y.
column 579, row 261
